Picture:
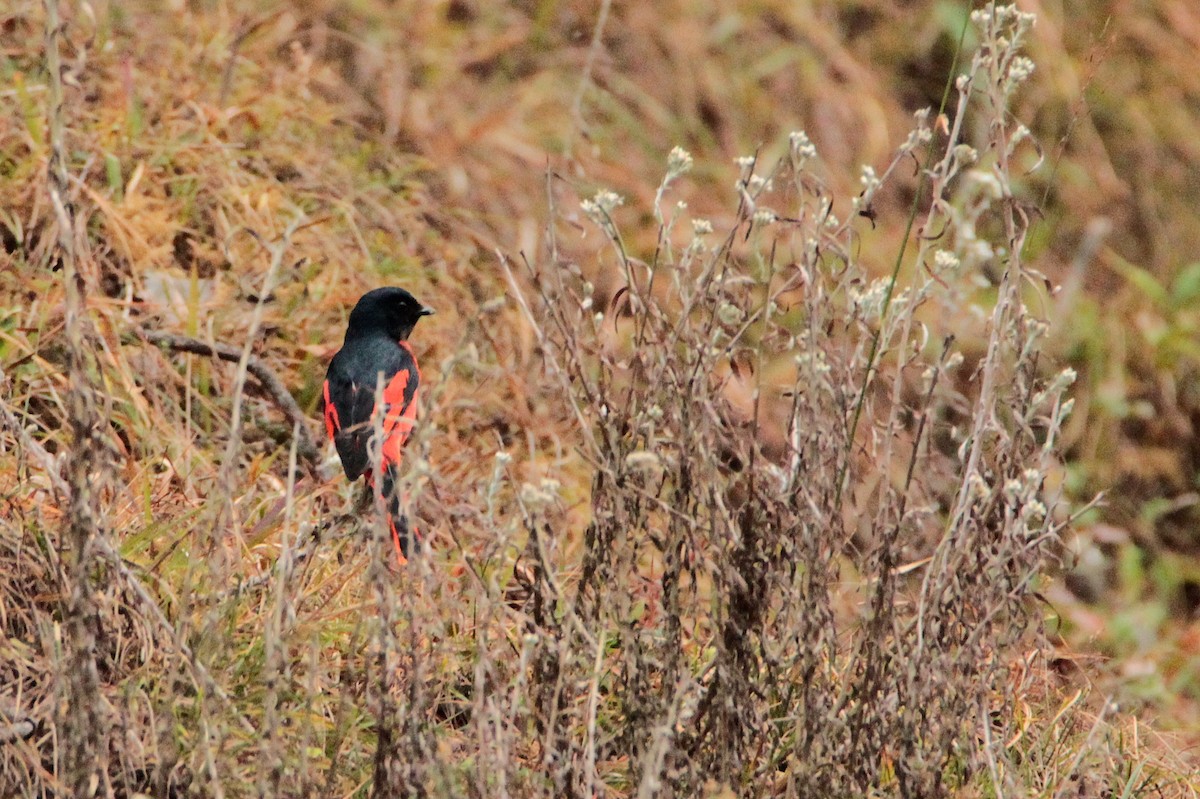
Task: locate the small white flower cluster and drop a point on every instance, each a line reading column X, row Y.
column 921, row 134
column 1023, row 495
column 729, row 314
column 978, row 487
column 987, row 182
column 747, row 180
column 965, row 154
column 599, row 209
column 1061, row 382
column 750, row 186
column 502, row 460
column 700, row 229
column 812, row 249
column 758, row 185
column 1037, row 329
column 540, row 495
column 985, row 17
column 982, row 252
column 869, row 180
column 870, row 301
column 1024, row 488
column 1019, row 134
column 643, row 461
column 1019, row 70
column 870, row 184
column 945, row 261
column 1065, row 409
column 1006, row 27
column 1065, row 378
column 801, row 146
column 679, row 162
column 1034, row 512
column 812, row 360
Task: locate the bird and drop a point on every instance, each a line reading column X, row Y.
column 376, row 350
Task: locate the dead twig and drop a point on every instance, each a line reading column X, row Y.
column 270, row 382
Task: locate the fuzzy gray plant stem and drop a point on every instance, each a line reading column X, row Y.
column 272, row 753
column 81, row 718
column 229, row 462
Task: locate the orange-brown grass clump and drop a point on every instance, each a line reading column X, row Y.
column 714, row 509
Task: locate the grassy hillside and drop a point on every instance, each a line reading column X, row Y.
column 715, row 507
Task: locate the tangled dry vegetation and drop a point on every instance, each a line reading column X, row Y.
column 716, row 510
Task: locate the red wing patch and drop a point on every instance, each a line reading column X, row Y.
column 332, row 424
column 400, row 417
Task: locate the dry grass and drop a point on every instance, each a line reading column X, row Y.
column 755, row 530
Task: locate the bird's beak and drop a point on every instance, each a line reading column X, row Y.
column 427, row 312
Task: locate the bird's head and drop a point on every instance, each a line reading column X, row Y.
column 389, row 310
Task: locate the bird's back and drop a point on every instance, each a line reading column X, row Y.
column 349, row 399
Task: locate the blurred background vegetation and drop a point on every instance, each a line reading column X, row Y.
column 418, row 135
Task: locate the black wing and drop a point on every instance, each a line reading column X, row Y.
column 349, row 395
